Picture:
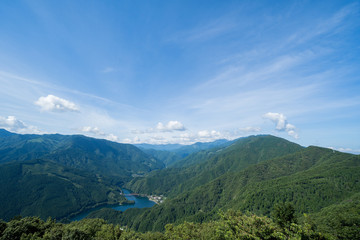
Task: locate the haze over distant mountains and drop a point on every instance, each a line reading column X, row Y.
column 58, row 176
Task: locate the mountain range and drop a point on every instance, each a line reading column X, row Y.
column 253, row 174
column 58, row 176
column 77, row 151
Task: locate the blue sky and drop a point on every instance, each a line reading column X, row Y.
column 182, row 71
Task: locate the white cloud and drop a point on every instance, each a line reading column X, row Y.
column 293, row 134
column 347, row 150
column 160, row 127
column 278, row 118
column 56, row 104
column 94, row 130
column 112, row 137
column 208, row 134
column 200, row 136
column 170, row 126
column 281, row 123
column 97, row 132
column 14, row 125
column 166, row 137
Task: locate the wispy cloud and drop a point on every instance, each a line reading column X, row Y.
column 205, row 31
column 331, row 25
column 24, row 84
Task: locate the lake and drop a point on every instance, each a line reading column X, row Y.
column 140, row 202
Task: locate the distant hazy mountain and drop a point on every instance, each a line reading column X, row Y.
column 171, row 153
column 77, row 151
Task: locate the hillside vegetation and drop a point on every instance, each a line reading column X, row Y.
column 56, row 176
column 44, row 188
column 76, row 151
column 231, row 225
column 258, row 187
column 310, row 179
column 202, row 167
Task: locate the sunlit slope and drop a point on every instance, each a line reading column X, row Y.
column 204, row 166
column 311, row 179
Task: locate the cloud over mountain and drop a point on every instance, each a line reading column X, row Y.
column 281, row 123
column 56, row 104
column 12, row 124
column 171, row 126
column 97, row 132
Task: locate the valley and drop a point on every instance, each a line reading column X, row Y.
column 61, row 176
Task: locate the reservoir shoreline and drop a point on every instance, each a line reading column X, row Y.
column 138, row 202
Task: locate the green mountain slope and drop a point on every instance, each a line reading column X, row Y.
column 202, row 167
column 340, row 220
column 44, row 188
column 96, row 155
column 310, row 179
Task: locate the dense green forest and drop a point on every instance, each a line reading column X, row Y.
column 44, row 188
column 258, row 187
column 77, row 151
column 202, row 167
column 58, row 176
column 311, row 179
column 230, row 225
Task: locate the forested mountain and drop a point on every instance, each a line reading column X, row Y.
column 44, row 188
column 311, row 179
column 4, row 133
column 57, row 175
column 77, row 151
column 200, row 168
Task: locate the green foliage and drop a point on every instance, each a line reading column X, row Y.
column 231, row 225
column 166, row 157
column 340, row 220
column 204, row 166
column 56, row 175
column 252, row 175
column 43, row 188
column 284, row 214
column 310, row 179
column 235, row 225
column 80, row 152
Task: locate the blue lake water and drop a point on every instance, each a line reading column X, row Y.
column 140, row 202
